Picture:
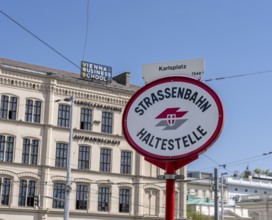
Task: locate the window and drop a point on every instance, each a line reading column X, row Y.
column 8, row 107
column 64, row 116
column 86, row 119
column 103, row 198
column 61, row 155
column 27, row 193
column 59, row 194
column 6, row 148
column 124, row 199
column 33, row 111
column 81, row 196
column 5, row 190
column 151, row 202
column 30, row 151
column 106, row 122
column 84, row 158
column 125, row 162
column 105, row 160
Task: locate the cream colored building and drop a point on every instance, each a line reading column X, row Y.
column 109, row 179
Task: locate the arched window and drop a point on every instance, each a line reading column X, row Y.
column 151, row 202
column 5, row 184
column 59, row 195
column 104, row 198
column 124, row 200
column 27, row 193
column 81, row 196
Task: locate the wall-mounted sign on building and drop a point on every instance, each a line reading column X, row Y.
column 93, row 71
column 173, row 118
column 191, row 68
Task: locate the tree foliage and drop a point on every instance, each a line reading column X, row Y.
column 197, row 216
column 265, row 172
column 257, row 171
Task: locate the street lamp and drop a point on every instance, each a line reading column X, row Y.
column 69, row 161
column 222, row 199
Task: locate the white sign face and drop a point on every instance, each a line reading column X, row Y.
column 192, row 68
column 172, row 118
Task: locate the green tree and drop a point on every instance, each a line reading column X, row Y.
column 265, row 172
column 197, row 216
column 257, row 171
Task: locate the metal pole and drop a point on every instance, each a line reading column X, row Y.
column 222, row 197
column 70, row 158
column 170, row 191
column 222, row 203
column 215, row 194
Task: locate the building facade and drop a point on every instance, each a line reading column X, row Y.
column 253, row 193
column 238, row 187
column 259, row 206
column 109, row 180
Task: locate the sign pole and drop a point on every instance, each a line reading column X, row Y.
column 170, row 191
column 177, row 118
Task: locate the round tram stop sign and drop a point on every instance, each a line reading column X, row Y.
column 173, row 118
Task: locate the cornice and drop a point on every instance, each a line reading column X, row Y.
column 85, row 92
column 15, row 81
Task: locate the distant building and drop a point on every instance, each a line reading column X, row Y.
column 201, row 197
column 109, row 179
column 256, row 184
column 259, row 206
column 253, row 193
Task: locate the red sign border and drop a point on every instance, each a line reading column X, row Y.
column 199, row 150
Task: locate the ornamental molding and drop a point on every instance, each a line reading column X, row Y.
column 21, row 83
column 82, row 180
column 124, row 184
column 34, row 83
column 8, row 173
column 22, row 75
column 29, row 174
column 104, row 182
column 90, row 96
column 58, row 178
column 152, row 186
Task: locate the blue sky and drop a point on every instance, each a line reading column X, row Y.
column 234, row 38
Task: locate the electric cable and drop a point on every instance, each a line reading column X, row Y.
column 39, row 39
column 237, row 76
column 87, row 30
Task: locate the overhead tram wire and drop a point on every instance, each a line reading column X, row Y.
column 239, row 162
column 108, row 88
column 219, row 165
column 87, row 30
column 59, row 53
column 237, row 76
column 67, row 59
column 42, row 41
